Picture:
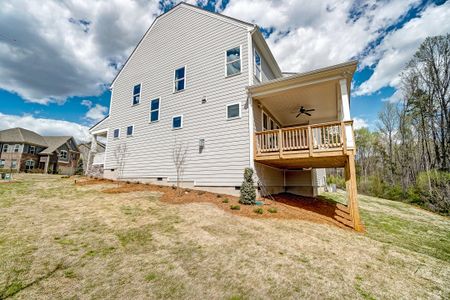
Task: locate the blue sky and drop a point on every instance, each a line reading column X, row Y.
column 55, row 68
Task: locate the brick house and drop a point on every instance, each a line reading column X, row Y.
column 23, row 150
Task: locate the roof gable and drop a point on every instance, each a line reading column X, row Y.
column 183, row 5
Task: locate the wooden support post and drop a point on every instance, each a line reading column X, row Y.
column 350, row 184
column 280, row 143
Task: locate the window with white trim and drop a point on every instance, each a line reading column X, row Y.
column 233, row 111
column 233, row 61
column 268, row 123
column 130, row 130
column 13, row 164
column 2, row 163
column 177, row 122
column 63, row 154
column 154, row 110
column 29, row 164
column 32, row 150
column 116, row 133
column 5, row 148
column 258, row 73
column 16, row 148
column 180, row 79
column 136, row 94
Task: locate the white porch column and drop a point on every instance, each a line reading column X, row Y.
column 47, row 162
column 345, row 108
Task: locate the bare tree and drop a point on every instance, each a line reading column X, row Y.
column 120, row 153
column 179, row 156
column 388, row 125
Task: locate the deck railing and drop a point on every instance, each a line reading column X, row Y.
column 307, row 139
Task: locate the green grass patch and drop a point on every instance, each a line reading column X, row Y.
column 138, row 236
column 150, row 277
column 272, row 210
column 235, row 207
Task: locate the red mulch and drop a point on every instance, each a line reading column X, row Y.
column 288, row 206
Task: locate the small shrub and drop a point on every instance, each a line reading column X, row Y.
column 272, row 210
column 235, row 207
column 259, row 210
column 219, row 196
column 225, row 200
column 248, row 191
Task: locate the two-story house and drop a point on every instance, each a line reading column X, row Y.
column 209, row 84
column 23, row 150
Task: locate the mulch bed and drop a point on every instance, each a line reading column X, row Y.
column 287, row 206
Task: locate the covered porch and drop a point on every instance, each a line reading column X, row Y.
column 303, row 121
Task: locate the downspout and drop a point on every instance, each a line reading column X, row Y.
column 251, row 129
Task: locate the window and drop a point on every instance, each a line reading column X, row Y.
column 258, row 66
column 2, row 163
column 136, row 94
column 32, row 150
column 265, row 121
column 154, row 110
column 233, row 61
column 268, row 123
column 180, row 79
column 5, row 148
column 63, row 154
column 177, row 122
column 29, row 165
column 16, row 148
column 130, row 130
column 116, row 133
column 13, row 164
column 233, row 111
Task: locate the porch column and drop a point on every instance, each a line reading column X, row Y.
column 47, row 162
column 345, row 109
column 350, row 186
column 91, row 153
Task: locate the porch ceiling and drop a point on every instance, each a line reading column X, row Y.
column 318, row 89
column 284, row 105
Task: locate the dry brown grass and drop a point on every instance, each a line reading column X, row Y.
column 61, row 240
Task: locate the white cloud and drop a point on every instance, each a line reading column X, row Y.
column 359, row 123
column 45, row 126
column 399, row 46
column 96, row 113
column 87, row 103
column 312, row 34
column 51, row 50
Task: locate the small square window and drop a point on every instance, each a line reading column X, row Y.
column 180, row 79
column 13, row 164
column 130, row 130
column 233, row 62
column 116, row 133
column 233, row 111
column 16, row 148
column 177, row 122
column 5, row 148
column 136, row 94
column 154, row 110
column 63, row 154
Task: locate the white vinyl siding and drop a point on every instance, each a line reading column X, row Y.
column 199, row 45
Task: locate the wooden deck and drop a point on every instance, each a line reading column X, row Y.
column 319, row 146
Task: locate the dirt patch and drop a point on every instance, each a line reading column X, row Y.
column 285, row 206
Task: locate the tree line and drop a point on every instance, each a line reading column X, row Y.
column 407, row 157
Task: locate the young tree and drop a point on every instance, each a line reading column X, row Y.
column 80, row 169
column 120, row 153
column 179, row 155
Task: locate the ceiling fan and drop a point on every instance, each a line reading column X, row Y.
column 305, row 111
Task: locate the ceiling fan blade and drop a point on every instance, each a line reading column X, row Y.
column 298, row 115
column 307, row 113
column 312, row 109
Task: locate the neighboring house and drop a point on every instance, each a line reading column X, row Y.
column 24, row 151
column 89, row 165
column 209, row 84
